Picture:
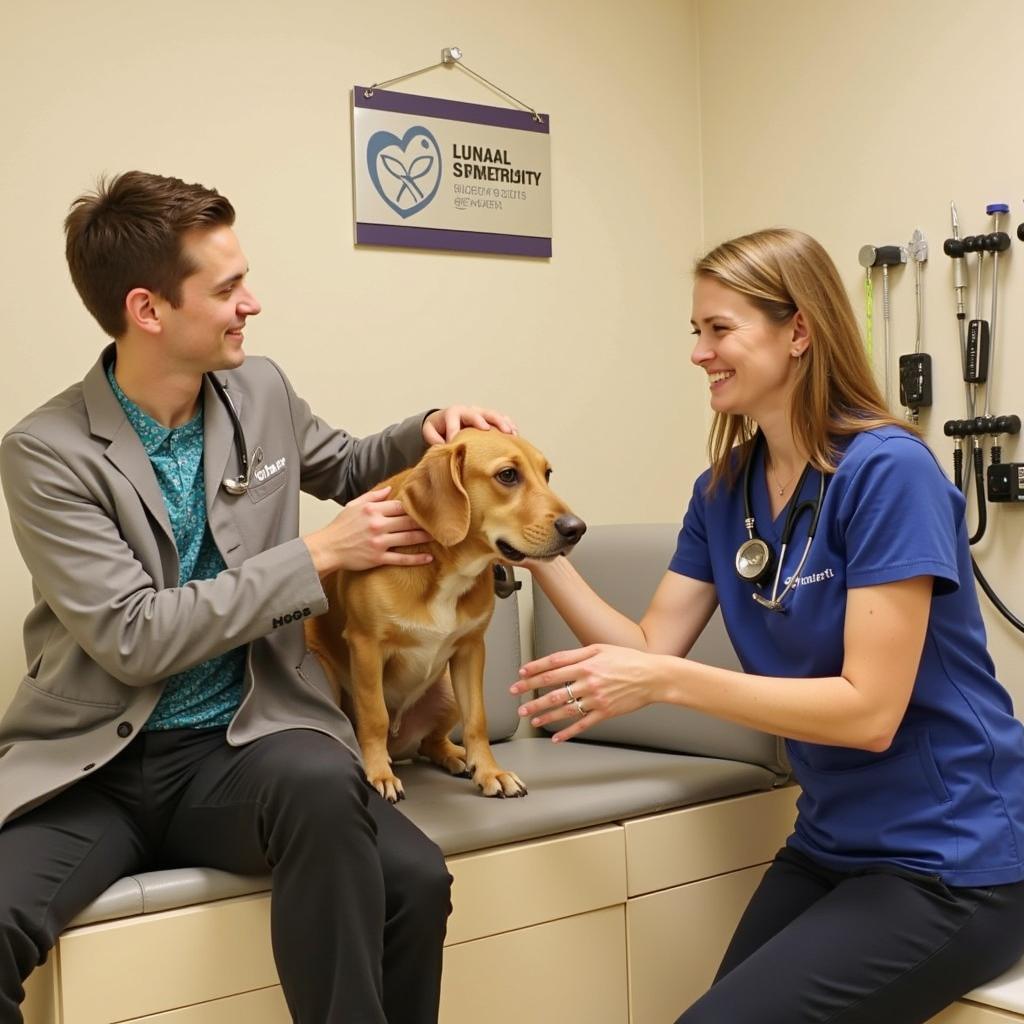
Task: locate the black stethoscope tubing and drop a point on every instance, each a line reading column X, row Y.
column 795, row 511
column 240, row 484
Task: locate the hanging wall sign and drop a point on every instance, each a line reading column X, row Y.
column 439, row 174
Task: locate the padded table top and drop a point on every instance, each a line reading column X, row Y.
column 571, row 786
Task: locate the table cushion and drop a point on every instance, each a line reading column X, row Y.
column 572, row 786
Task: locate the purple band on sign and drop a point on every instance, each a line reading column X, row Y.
column 463, row 241
column 453, row 110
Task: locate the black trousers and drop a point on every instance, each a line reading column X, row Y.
column 360, row 897
column 882, row 946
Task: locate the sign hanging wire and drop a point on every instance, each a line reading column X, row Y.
column 451, row 56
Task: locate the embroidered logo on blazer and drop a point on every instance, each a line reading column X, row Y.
column 295, row 616
column 265, row 472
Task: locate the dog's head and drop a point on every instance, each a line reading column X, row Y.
column 494, row 487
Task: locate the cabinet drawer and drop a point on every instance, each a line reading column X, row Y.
column 569, row 970
column 532, row 882
column 677, row 939
column 666, row 850
column 267, row 1006
column 119, row 970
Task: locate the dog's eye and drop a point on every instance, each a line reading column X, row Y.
column 547, row 474
column 508, row 477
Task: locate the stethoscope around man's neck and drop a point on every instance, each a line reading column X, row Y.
column 240, row 484
column 755, row 559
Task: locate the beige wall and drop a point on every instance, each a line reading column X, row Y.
column 859, row 121
column 583, row 350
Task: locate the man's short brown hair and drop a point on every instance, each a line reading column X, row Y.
column 127, row 234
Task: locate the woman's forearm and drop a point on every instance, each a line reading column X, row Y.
column 591, row 619
column 829, row 710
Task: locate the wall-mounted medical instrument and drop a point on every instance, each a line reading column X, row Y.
column 1003, row 482
column 974, row 427
column 981, row 332
column 884, row 256
column 995, row 242
column 1005, row 479
column 916, row 367
column 954, row 248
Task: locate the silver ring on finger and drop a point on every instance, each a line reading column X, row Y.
column 570, row 697
column 580, row 708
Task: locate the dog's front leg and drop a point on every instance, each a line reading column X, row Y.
column 371, row 716
column 467, row 670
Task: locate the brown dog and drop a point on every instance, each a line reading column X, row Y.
column 392, row 633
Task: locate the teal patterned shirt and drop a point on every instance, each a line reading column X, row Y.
column 207, row 694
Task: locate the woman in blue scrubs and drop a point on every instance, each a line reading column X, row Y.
column 901, row 887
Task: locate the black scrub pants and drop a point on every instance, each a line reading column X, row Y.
column 360, row 897
column 881, row 946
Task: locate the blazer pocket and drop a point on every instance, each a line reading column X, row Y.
column 259, row 492
column 36, row 714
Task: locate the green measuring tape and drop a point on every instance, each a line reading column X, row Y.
column 869, row 304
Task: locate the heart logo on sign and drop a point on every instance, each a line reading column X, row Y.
column 406, row 171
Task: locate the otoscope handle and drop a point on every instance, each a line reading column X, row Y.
column 881, row 256
column 954, row 247
column 1006, row 424
column 890, row 255
column 959, row 274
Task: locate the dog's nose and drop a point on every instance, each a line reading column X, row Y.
column 571, row 528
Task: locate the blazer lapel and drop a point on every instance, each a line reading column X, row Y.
column 125, row 451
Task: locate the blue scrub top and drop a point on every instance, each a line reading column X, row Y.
column 947, row 798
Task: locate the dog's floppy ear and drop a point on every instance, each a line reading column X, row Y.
column 433, row 494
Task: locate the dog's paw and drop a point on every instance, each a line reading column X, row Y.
column 447, row 755
column 388, row 785
column 500, row 784
column 456, row 765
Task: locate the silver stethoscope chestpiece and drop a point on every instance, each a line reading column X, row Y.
column 235, row 487
column 752, row 559
column 755, row 558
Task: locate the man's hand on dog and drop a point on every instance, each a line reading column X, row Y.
column 441, row 426
column 365, row 534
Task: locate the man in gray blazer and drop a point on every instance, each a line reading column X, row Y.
column 170, row 714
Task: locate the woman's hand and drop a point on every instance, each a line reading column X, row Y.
column 603, row 682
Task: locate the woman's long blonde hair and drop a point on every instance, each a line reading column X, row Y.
column 781, row 272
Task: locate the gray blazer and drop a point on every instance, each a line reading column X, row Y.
column 110, row 622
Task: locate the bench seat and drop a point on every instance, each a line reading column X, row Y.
column 571, row 786
column 1004, row 993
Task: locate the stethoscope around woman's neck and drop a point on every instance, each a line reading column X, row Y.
column 240, row 484
column 755, row 558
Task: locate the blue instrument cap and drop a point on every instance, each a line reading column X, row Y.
column 997, row 208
